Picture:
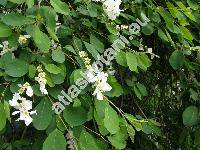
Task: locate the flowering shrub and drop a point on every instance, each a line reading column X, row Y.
column 100, row 74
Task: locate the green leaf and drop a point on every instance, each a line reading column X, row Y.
column 100, row 107
column 59, row 78
column 92, row 9
column 111, row 28
column 121, row 58
column 60, row 7
column 137, row 92
column 5, row 59
column 87, row 141
column 118, row 140
column 117, row 89
column 176, row 60
column 17, row 1
column 5, row 31
column 194, row 95
column 44, row 115
column 190, row 116
column 131, row 132
column 91, row 49
column 111, row 116
column 55, row 141
column 150, row 128
column 132, row 61
column 162, row 35
column 49, row 16
column 16, row 19
column 17, row 68
column 36, row 90
column 148, row 29
column 71, row 49
column 143, row 61
column 50, row 81
column 52, row 34
column 75, row 116
column 2, row 117
column 186, row 33
column 186, row 10
column 3, row 2
column 41, row 40
column 99, row 46
column 136, row 123
column 32, row 71
column 78, row 46
column 30, row 3
column 193, row 4
column 51, row 68
column 142, row 89
column 7, row 110
column 58, row 56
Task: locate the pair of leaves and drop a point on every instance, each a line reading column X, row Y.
column 140, row 90
column 135, row 60
column 105, row 114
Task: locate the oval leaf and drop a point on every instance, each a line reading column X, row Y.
column 17, row 68
column 55, row 141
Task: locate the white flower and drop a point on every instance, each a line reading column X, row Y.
column 5, row 48
column 27, row 87
column 14, row 100
column 43, row 89
column 29, row 91
column 23, row 108
column 100, row 88
column 95, row 76
column 83, row 54
column 85, row 58
column 99, row 78
column 92, row 73
column 23, row 38
column 111, row 8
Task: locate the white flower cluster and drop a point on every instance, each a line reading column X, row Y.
column 111, row 8
column 41, row 80
column 85, row 58
column 23, row 105
column 6, row 48
column 99, row 78
column 95, row 76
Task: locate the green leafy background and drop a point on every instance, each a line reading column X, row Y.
column 154, row 103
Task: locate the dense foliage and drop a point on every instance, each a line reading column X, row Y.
column 146, row 98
